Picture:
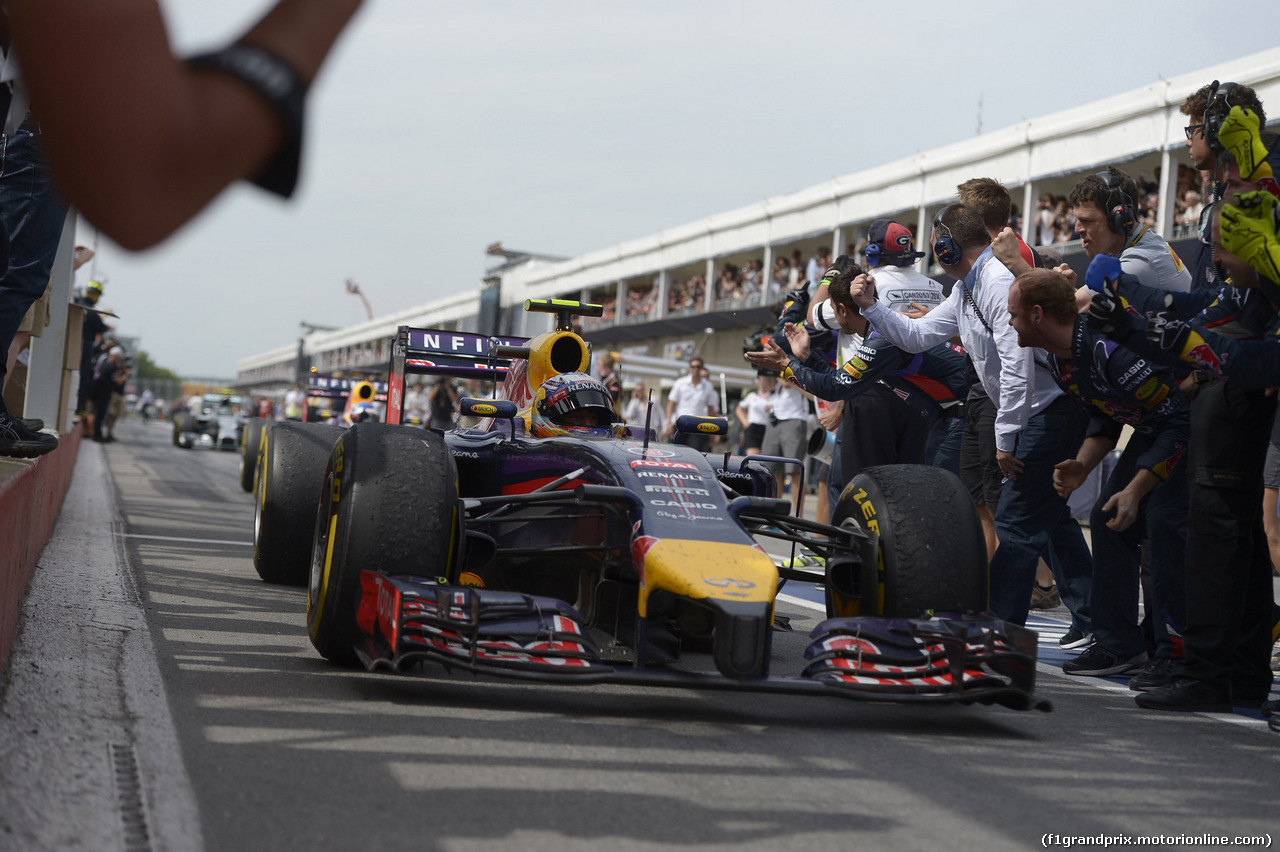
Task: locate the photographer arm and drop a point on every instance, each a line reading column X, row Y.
column 138, row 140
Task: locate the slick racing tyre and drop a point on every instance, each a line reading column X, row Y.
column 290, row 474
column 186, row 429
column 390, row 503
column 932, row 555
column 249, row 449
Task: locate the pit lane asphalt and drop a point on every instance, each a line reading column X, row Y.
column 162, row 697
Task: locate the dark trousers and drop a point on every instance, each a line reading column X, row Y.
column 879, row 428
column 101, row 402
column 1032, row 520
column 32, row 216
column 1162, row 520
column 1230, row 607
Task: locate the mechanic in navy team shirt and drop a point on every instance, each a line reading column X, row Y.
column 1146, row 494
column 1231, row 337
column 908, row 389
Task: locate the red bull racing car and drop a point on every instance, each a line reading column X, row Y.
column 552, row 543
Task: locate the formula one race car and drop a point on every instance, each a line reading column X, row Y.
column 552, row 543
column 219, row 424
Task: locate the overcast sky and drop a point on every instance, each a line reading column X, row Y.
column 564, row 127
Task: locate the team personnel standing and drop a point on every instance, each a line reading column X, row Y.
column 753, row 414
column 1108, row 222
column 977, row 464
column 905, row 391
column 691, row 394
column 1229, row 337
column 1210, row 105
column 1036, row 426
column 787, row 435
column 1146, row 493
column 891, row 252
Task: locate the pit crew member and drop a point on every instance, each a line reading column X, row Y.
column 1146, row 494
column 1036, row 426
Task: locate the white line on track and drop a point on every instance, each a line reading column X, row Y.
column 801, row 602
column 189, row 540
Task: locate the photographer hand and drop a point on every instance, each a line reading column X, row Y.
column 1240, row 134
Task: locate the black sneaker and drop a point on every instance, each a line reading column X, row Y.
column 1074, row 638
column 1271, row 708
column 1097, row 661
column 18, row 441
column 35, row 424
column 1160, row 671
column 1187, row 695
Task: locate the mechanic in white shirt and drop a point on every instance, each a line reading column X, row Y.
column 691, row 394
column 1036, row 425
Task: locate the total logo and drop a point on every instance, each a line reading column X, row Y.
column 663, row 464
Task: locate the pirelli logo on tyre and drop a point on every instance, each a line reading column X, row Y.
column 868, row 510
column 337, row 471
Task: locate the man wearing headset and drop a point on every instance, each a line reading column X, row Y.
column 1208, row 107
column 1036, row 425
column 1108, row 222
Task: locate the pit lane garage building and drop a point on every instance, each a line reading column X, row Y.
column 660, row 290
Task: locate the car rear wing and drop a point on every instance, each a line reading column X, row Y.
column 459, row 354
column 321, row 388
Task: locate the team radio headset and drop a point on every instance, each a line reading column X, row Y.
column 948, row 252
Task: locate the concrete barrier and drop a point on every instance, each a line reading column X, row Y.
column 31, row 493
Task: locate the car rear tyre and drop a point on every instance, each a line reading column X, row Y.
column 291, row 469
column 932, row 555
column 390, row 502
column 249, row 449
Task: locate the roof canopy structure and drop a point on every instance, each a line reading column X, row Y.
column 1048, row 151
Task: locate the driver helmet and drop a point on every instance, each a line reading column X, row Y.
column 572, row 404
column 362, row 411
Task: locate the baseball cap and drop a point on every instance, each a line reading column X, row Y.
column 890, row 240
